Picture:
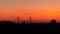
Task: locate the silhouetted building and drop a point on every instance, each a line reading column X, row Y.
column 53, row 21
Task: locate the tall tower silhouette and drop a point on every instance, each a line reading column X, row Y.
column 18, row 19
column 30, row 19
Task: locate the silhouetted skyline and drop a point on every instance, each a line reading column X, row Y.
column 30, row 16
column 53, row 21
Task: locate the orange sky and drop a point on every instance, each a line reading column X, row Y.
column 38, row 9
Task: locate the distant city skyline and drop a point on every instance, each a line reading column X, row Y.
column 40, row 10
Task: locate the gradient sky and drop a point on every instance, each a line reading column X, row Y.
column 42, row 10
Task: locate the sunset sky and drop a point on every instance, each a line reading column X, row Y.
column 42, row 10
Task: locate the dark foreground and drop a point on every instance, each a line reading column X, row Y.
column 9, row 27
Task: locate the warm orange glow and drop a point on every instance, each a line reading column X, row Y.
column 44, row 11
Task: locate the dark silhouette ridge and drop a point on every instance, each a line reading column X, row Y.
column 6, row 22
column 32, row 27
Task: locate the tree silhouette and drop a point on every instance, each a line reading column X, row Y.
column 53, row 21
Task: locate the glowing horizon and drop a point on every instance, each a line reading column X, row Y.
column 43, row 10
